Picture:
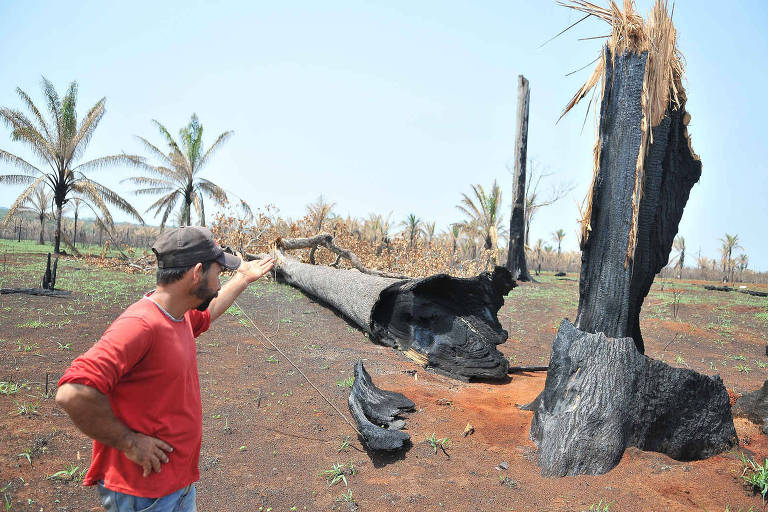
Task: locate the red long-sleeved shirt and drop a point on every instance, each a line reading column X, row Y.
column 146, row 364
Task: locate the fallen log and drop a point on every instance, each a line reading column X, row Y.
column 36, row 291
column 446, row 323
column 754, row 293
column 377, row 413
column 602, row 395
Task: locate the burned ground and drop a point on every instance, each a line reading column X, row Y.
column 270, row 441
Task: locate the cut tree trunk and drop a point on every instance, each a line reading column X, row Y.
column 442, row 322
column 516, row 263
column 602, row 394
column 754, row 407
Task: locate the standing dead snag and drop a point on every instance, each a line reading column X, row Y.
column 516, row 255
column 443, row 322
column 601, row 393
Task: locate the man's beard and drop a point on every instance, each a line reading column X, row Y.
column 206, row 294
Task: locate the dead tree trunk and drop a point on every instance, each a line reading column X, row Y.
column 516, row 263
column 602, row 394
column 446, row 323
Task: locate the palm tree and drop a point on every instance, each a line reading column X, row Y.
column 537, row 249
column 59, row 143
column 177, row 177
column 742, row 261
column 679, row 246
column 412, row 226
column 38, row 204
column 320, row 211
column 729, row 244
column 428, row 230
column 558, row 236
column 484, row 212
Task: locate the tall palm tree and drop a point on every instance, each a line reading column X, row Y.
column 59, row 143
column 39, row 205
column 484, row 212
column 679, row 246
column 428, row 230
column 729, row 244
column 742, row 261
column 412, row 225
column 177, row 177
column 558, row 236
column 537, row 249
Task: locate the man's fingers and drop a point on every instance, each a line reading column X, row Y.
column 147, row 469
column 160, row 454
column 155, row 463
column 164, row 446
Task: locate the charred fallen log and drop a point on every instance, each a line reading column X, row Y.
column 36, row 291
column 602, row 395
column 377, row 413
column 443, row 322
column 754, row 293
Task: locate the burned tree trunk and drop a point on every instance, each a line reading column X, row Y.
column 516, row 263
column 602, row 394
column 442, row 322
column 615, row 279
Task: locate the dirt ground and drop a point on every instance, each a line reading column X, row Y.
column 268, row 437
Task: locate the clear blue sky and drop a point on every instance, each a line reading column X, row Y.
column 390, row 105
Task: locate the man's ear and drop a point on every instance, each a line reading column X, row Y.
column 197, row 273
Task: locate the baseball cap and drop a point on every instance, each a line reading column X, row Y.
column 188, row 245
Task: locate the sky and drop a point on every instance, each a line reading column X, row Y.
column 389, row 106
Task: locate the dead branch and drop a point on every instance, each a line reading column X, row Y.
column 326, row 240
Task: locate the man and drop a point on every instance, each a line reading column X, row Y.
column 136, row 392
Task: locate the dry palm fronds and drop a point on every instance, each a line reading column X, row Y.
column 662, row 83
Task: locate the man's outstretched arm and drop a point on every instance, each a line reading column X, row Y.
column 248, row 272
column 91, row 412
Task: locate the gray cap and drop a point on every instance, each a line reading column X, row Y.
column 188, row 245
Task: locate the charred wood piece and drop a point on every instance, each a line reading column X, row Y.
column 754, row 293
column 443, row 322
column 754, row 407
column 49, row 278
column 377, row 413
column 36, row 291
column 602, row 395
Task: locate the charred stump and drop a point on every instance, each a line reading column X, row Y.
column 377, row 413
column 602, row 394
column 443, row 322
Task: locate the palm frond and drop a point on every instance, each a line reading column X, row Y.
column 19, row 163
column 155, row 150
column 111, row 197
column 168, row 137
column 106, row 161
column 212, row 190
column 43, row 125
column 91, row 120
column 22, row 199
column 219, row 141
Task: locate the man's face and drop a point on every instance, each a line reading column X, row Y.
column 209, row 287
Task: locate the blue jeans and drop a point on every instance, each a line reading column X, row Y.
column 183, row 500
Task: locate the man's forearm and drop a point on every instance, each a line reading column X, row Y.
column 92, row 413
column 227, row 295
